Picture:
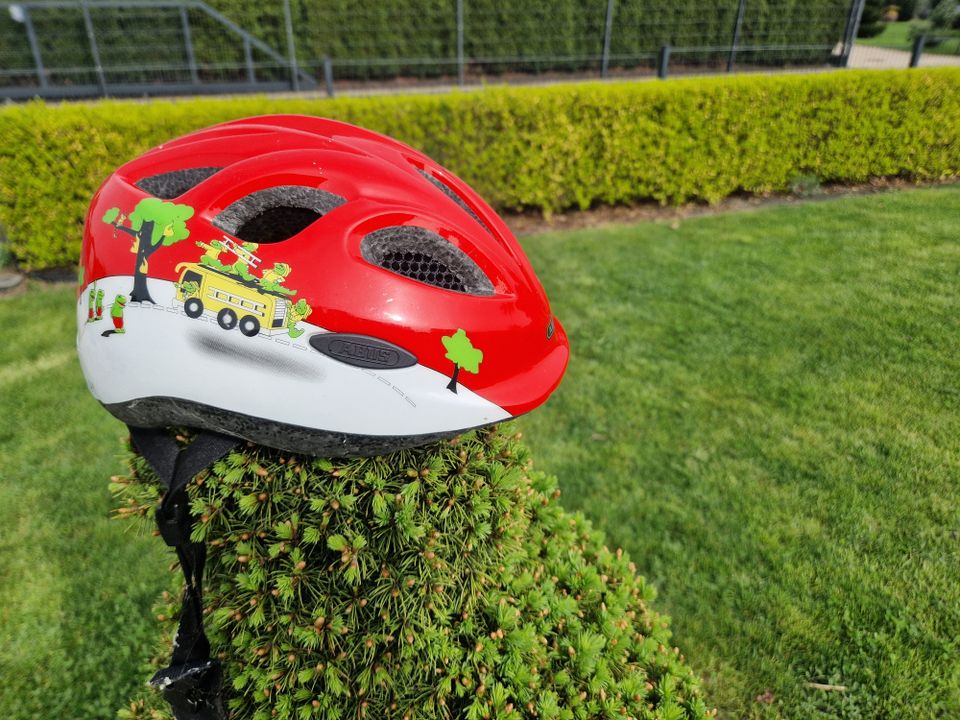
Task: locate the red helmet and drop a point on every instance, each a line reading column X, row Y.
column 311, row 286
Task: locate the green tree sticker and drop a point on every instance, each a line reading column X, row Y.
column 154, row 223
column 462, row 353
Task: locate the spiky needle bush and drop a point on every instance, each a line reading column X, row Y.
column 444, row 582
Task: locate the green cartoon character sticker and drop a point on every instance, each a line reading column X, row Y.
column 91, row 302
column 188, row 288
column 116, row 314
column 211, row 258
column 295, row 313
column 94, row 304
column 272, row 279
column 245, row 260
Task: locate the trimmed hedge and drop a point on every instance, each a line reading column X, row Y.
column 551, row 148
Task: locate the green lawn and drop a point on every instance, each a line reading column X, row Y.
column 763, row 408
column 75, row 616
column 896, row 35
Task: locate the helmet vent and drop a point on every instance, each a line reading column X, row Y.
column 452, row 194
column 277, row 213
column 169, row 185
column 424, row 256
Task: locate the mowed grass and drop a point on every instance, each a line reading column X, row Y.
column 76, row 587
column 896, row 35
column 762, row 408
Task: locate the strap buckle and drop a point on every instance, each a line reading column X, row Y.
column 193, row 689
column 174, row 520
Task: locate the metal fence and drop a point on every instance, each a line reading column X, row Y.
column 86, row 48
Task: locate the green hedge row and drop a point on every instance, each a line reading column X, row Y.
column 561, row 34
column 565, row 146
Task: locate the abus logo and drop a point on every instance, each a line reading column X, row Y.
column 362, row 351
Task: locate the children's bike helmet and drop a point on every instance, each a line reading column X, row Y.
column 310, row 286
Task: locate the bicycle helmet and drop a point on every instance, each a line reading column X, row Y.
column 311, row 286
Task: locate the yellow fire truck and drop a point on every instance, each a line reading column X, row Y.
column 236, row 302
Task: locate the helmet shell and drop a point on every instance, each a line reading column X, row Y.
column 308, row 285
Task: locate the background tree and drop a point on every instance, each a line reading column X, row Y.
column 462, row 353
column 154, row 223
column 908, row 8
column 943, row 16
column 871, row 22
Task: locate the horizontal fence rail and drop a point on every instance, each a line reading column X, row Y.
column 87, row 48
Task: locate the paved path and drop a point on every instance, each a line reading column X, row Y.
column 861, row 57
column 874, row 58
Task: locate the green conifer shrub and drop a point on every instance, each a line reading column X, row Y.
column 441, row 582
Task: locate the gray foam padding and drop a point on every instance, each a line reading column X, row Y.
column 241, row 212
column 451, row 193
column 169, row 185
column 176, row 412
column 427, row 255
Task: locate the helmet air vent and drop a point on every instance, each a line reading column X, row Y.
column 424, row 256
column 452, row 194
column 169, row 185
column 277, row 213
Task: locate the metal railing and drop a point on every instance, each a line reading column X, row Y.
column 163, row 75
column 88, row 48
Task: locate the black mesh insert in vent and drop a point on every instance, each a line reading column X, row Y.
column 424, row 268
column 169, row 185
column 277, row 213
column 424, row 256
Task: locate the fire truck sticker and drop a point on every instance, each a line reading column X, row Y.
column 227, row 281
column 237, row 297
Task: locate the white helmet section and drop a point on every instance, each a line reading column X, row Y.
column 163, row 353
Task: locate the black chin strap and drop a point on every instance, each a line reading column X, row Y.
column 193, row 682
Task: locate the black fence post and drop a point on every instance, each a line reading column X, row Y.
column 461, row 70
column 328, row 75
column 607, row 33
column 663, row 62
column 34, row 46
column 917, row 52
column 736, row 35
column 188, row 45
column 94, row 49
column 851, row 30
column 291, row 49
column 248, row 60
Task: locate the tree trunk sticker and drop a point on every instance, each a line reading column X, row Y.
column 462, row 353
column 154, row 223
